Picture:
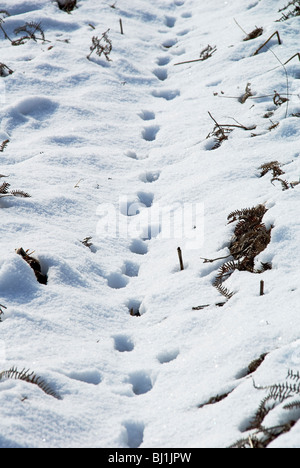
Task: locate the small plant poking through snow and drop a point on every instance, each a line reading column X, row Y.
column 5, row 70
column 29, row 377
column 29, row 31
column 250, row 238
column 34, row 264
column 67, row 5
column 285, row 395
column 290, row 13
column 102, row 45
column 1, row 311
column 4, row 191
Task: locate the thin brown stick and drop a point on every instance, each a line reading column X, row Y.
column 266, row 42
column 189, row 61
column 262, row 288
column 121, row 26
column 296, row 55
column 180, row 259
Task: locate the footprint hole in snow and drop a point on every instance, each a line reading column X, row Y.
column 150, row 177
column 138, row 247
column 160, row 73
column 135, row 307
column 167, row 356
column 168, row 43
column 134, row 433
column 117, row 281
column 149, row 133
column 141, row 382
column 146, row 198
column 168, row 94
column 146, row 115
column 150, row 231
column 170, row 21
column 163, row 60
column 131, row 154
column 130, row 269
column 123, row 343
column 88, row 376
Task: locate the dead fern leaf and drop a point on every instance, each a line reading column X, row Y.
column 29, row 377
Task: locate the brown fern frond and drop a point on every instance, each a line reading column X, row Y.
column 67, row 5
column 4, row 188
column 256, row 212
column 32, row 30
column 29, row 377
column 225, row 271
column 284, row 183
column 34, row 264
column 254, row 34
column 3, row 145
column 273, row 166
column 5, row 70
column 20, row 193
column 224, row 291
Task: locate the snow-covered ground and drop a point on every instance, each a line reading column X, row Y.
column 117, row 150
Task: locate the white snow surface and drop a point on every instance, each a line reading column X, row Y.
column 91, row 137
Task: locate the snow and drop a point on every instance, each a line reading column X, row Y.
column 118, row 151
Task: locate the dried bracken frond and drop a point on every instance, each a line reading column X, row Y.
column 273, row 166
column 277, row 394
column 31, row 30
column 3, row 145
column 1, row 311
column 246, row 95
column 254, row 34
column 87, row 242
column 4, row 192
column 295, row 11
column 250, row 238
column 207, row 52
column 4, row 188
column 29, row 377
column 102, row 45
column 5, row 70
column 216, row 399
column 67, row 5
column 34, row 264
column 279, row 100
column 254, row 365
column 224, row 291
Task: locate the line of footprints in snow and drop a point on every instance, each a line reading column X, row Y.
column 142, row 381
column 133, row 206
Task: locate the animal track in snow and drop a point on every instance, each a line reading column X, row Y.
column 138, row 247
column 123, row 343
column 167, row 356
column 134, row 433
column 160, row 73
column 170, row 21
column 88, row 376
column 150, row 177
column 168, row 94
column 117, row 281
column 147, row 115
column 134, row 307
column 168, row 43
column 150, row 231
column 131, row 269
column 141, row 382
column 163, row 60
column 146, row 198
column 132, row 206
column 149, row 133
